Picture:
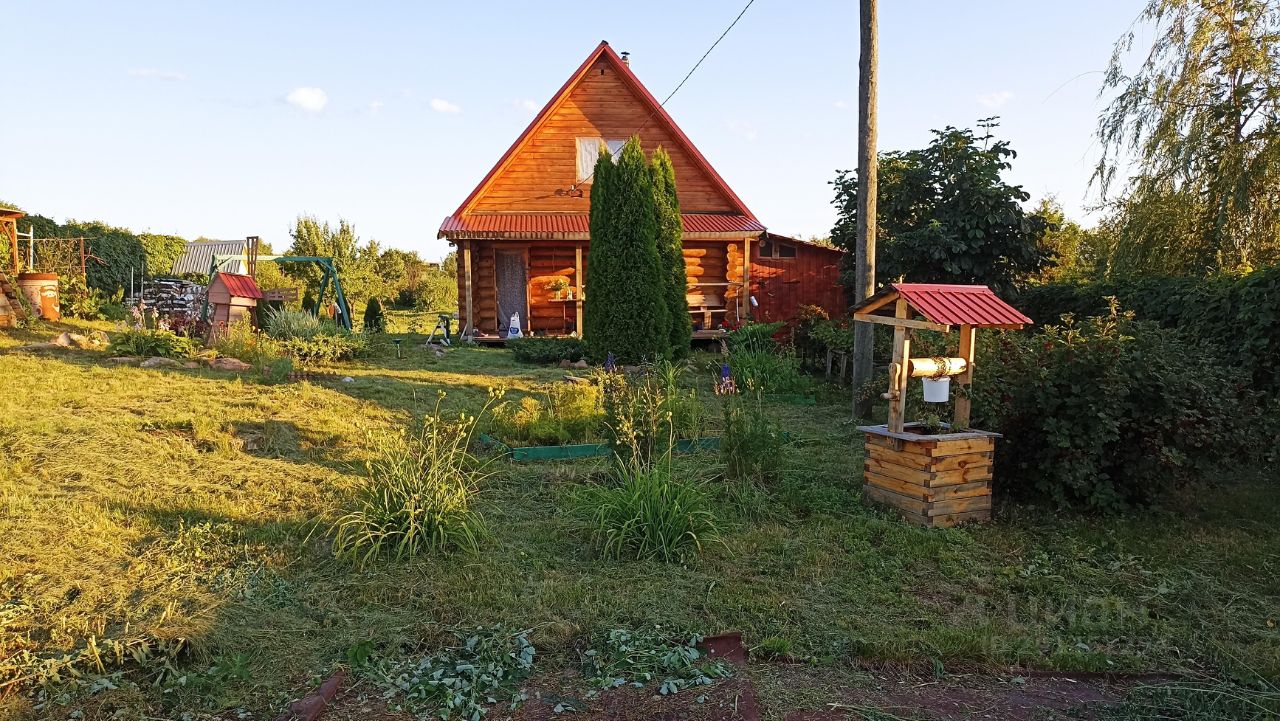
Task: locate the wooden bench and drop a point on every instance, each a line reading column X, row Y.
column 706, row 305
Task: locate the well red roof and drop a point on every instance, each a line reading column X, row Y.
column 960, row 304
column 241, row 286
column 578, row 225
column 973, row 305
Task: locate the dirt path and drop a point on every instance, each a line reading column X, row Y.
column 782, row 692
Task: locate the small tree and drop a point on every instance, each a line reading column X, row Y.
column 671, row 252
column 374, row 320
column 626, row 309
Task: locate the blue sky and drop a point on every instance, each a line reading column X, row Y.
column 229, row 119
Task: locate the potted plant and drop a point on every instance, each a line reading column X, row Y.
column 558, row 286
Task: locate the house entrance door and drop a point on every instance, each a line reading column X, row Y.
column 512, row 278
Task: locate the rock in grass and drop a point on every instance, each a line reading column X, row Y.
column 234, row 365
column 159, row 362
column 123, row 359
column 566, row 364
column 64, row 340
column 581, row 365
column 40, row 346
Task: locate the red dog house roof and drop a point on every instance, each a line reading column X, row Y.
column 240, row 286
column 974, row 305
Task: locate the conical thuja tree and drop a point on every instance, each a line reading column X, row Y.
column 626, row 309
column 671, row 252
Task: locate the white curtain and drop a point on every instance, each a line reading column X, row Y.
column 589, row 150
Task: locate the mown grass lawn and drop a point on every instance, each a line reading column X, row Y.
column 144, row 506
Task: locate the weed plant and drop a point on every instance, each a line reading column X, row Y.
column 419, row 496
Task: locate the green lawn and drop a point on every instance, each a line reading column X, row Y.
column 139, row 507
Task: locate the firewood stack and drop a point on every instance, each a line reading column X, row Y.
column 10, row 309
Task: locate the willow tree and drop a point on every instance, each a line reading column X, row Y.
column 625, row 308
column 671, row 252
column 1199, row 119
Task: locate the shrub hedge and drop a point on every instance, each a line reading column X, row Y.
column 546, row 350
column 1240, row 316
column 1109, row 412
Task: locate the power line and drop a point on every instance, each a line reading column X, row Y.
column 682, row 82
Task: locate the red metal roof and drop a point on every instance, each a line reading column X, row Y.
column 240, row 286
column 579, row 224
column 960, row 304
column 658, row 112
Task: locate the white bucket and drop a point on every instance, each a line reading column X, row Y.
column 937, row 390
column 513, row 328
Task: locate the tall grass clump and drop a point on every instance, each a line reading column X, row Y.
column 418, row 499
column 151, row 343
column 646, row 414
column 646, row 513
column 758, row 362
column 751, row 444
column 560, row 413
column 283, row 324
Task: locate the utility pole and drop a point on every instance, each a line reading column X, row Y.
column 865, row 280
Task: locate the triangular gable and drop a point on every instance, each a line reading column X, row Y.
column 542, row 159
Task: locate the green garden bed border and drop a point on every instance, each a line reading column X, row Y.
column 585, row 450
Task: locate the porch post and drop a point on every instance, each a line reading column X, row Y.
column 577, row 285
column 466, row 263
column 746, row 279
column 963, row 405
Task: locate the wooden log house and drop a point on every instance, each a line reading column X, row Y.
column 523, row 235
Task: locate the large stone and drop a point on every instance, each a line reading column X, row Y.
column 64, row 340
column 566, row 364
column 581, row 365
column 123, row 360
column 40, row 346
column 99, row 338
column 159, row 362
column 234, row 365
column 84, row 342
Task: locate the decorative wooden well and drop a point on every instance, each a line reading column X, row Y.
column 940, row 478
column 232, row 296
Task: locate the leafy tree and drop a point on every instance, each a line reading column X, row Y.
column 374, row 319
column 356, row 264
column 626, row 310
column 1078, row 253
column 671, row 252
column 1201, row 117
column 946, row 216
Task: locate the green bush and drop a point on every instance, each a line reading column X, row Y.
column 78, row 300
column 759, row 363
column 283, row 324
column 324, row 348
column 1108, row 412
column 152, row 343
column 647, row 514
column 562, row 413
column 374, row 319
column 1240, row 316
column 241, row 341
column 418, row 498
column 546, row 350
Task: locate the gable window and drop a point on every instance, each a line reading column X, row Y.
column 589, row 150
column 774, row 249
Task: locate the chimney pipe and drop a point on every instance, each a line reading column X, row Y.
column 626, row 58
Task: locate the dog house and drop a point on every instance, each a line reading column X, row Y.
column 935, row 477
column 232, row 297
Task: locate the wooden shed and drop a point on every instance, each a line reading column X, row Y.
column 232, row 297
column 523, row 234
column 787, row 273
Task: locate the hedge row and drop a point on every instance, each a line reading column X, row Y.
column 1240, row 316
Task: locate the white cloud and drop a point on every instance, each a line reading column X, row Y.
column 529, row 106
column 311, row 100
column 156, row 74
column 444, row 106
column 744, row 129
column 995, row 99
column 375, row 106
